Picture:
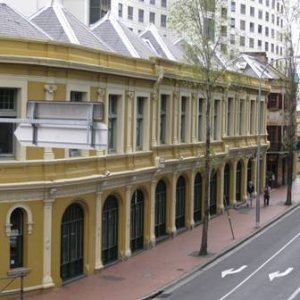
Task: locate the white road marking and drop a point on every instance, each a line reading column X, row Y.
column 278, row 274
column 261, row 266
column 295, row 294
column 232, row 271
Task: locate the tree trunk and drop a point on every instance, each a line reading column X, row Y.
column 203, row 248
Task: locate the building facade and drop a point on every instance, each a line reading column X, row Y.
column 148, row 184
column 68, row 213
column 254, row 26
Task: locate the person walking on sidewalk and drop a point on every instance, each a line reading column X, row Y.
column 266, row 195
column 250, row 190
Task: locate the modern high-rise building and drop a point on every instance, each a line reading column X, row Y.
column 254, row 26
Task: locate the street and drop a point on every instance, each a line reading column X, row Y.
column 265, row 267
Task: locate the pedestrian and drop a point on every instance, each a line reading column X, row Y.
column 266, row 195
column 250, row 190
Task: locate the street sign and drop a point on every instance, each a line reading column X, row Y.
column 63, row 125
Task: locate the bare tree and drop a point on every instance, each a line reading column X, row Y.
column 195, row 21
column 291, row 17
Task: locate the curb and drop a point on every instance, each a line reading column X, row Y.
column 160, row 291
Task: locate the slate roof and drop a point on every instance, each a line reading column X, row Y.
column 120, row 38
column 252, row 66
column 161, row 45
column 62, row 26
column 13, row 24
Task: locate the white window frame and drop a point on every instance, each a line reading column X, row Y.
column 167, row 129
column 145, row 134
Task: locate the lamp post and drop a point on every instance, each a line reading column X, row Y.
column 258, row 187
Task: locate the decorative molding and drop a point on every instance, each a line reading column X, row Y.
column 50, row 88
column 29, row 224
column 130, row 95
column 101, row 94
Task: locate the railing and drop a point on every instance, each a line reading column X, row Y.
column 12, row 276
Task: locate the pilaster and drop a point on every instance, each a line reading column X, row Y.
column 98, row 232
column 127, row 249
column 48, row 204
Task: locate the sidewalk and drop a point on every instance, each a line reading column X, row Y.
column 148, row 272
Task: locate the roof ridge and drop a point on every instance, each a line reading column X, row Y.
column 152, row 28
column 65, row 24
column 116, row 24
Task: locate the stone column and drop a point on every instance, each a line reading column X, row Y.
column 48, row 203
column 172, row 206
column 193, row 113
column 151, row 234
column 176, row 107
column 130, row 132
column 190, row 214
column 127, row 248
column 98, row 232
column 233, row 183
column 155, row 102
column 220, row 194
column 50, row 90
column 101, row 93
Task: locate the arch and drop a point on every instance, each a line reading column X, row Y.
column 110, row 215
column 213, row 193
column 16, row 239
column 198, row 198
column 137, row 221
column 180, row 202
column 161, row 209
column 72, row 241
column 238, row 190
column 227, row 184
column 28, row 211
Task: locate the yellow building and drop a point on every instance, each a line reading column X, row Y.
column 69, row 213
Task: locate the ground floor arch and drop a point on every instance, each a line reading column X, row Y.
column 72, row 241
column 110, row 214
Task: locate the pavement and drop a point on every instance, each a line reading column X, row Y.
column 150, row 271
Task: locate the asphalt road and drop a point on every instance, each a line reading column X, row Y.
column 265, row 267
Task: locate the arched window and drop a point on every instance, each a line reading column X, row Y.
column 110, row 230
column 16, row 238
column 160, row 209
column 180, row 203
column 197, row 198
column 71, row 256
column 238, row 191
column 137, row 221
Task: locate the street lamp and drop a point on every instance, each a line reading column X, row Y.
column 258, row 136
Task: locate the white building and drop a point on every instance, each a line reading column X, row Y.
column 135, row 14
column 254, row 26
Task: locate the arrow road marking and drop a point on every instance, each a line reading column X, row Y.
column 260, row 267
column 232, row 271
column 278, row 274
